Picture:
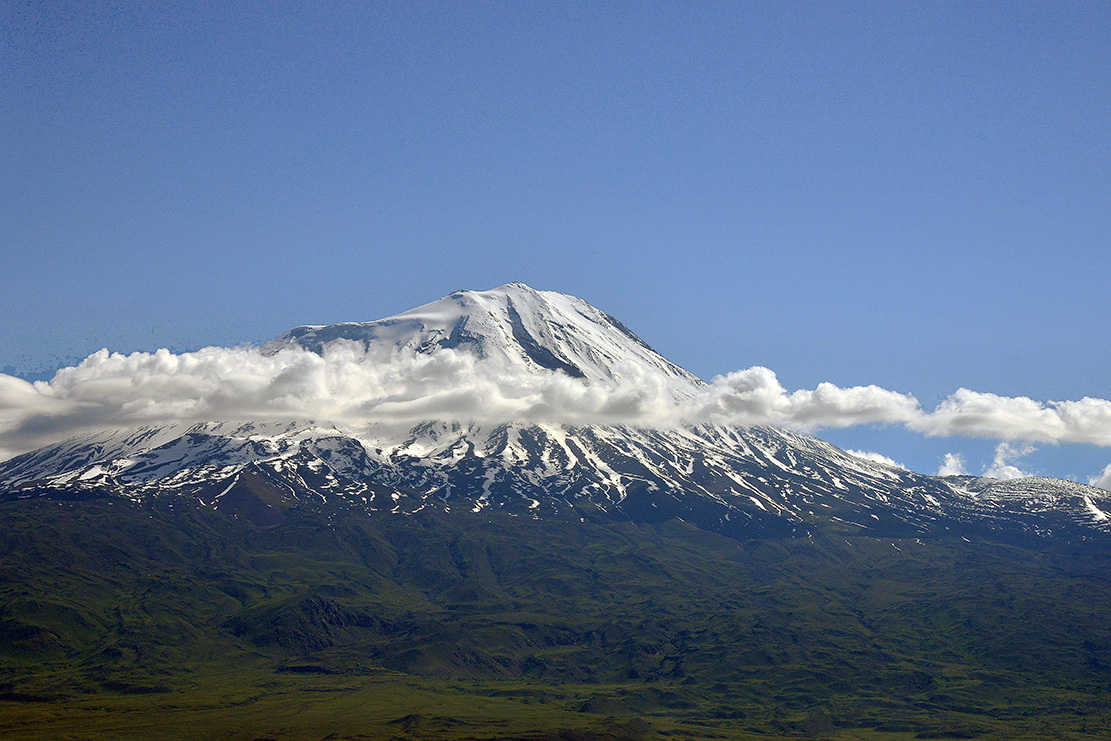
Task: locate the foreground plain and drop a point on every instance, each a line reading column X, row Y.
column 168, row 619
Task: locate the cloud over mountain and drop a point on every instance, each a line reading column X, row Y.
column 870, row 455
column 346, row 384
column 508, row 354
column 755, row 396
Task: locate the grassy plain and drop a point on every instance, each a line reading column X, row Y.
column 127, row 621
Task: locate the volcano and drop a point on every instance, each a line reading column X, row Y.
column 741, row 482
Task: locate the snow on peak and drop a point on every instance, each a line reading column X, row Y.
column 513, row 324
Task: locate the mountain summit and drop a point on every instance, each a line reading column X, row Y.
column 513, row 324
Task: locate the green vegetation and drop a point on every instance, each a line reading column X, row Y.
column 168, row 620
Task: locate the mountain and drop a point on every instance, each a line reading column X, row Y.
column 301, row 579
column 738, row 481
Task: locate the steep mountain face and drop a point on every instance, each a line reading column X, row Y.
column 742, row 482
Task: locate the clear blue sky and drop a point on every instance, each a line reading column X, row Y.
column 915, row 195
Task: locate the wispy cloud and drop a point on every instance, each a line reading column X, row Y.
column 869, row 455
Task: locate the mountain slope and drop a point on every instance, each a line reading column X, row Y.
column 744, row 482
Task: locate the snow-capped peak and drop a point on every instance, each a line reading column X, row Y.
column 514, row 324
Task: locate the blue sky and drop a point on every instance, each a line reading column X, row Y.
column 913, row 195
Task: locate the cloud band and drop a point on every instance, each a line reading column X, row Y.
column 346, row 386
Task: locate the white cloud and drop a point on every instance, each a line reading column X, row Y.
column 755, row 396
column 953, row 465
column 1002, row 466
column 869, row 455
column 1103, row 479
column 343, row 386
column 346, row 386
column 975, row 414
